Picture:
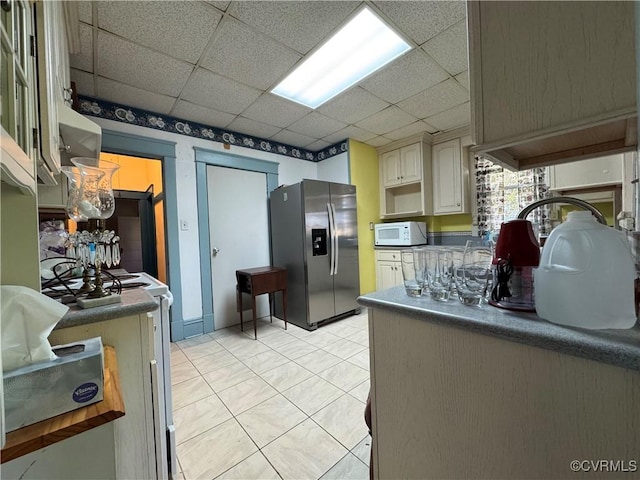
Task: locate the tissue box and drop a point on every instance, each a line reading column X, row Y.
column 43, row 390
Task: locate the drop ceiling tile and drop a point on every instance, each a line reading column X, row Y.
column 297, row 24
column 140, row 67
column 200, row 114
column 218, row 92
column 423, row 20
column 404, row 132
column 387, row 120
column 85, row 12
column 463, row 79
column 449, row 48
column 241, row 53
column 379, row 141
column 436, row 99
column 319, row 145
column 459, row 116
column 219, row 5
column 293, row 138
column 353, row 105
column 178, row 29
column 351, row 131
column 252, row 127
column 84, row 82
column 83, row 60
column 275, row 110
column 405, row 77
column 117, row 92
column 316, row 125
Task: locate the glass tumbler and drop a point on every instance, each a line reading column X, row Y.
column 411, row 284
column 420, row 267
column 439, row 270
column 473, row 276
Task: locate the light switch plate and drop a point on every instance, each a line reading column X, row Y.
column 184, row 225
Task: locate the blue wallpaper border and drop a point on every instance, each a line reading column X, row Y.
column 134, row 116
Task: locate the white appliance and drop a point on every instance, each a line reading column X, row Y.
column 165, row 441
column 400, row 234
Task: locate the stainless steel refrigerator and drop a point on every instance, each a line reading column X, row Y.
column 314, row 235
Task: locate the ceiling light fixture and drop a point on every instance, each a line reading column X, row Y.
column 358, row 49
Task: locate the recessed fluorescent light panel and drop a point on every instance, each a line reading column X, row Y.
column 361, row 47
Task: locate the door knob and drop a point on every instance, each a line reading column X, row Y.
column 215, row 251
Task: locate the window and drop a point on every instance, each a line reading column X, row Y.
column 16, row 67
column 502, row 194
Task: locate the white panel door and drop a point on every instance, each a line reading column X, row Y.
column 239, row 230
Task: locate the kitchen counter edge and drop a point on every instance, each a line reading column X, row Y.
column 615, row 347
column 134, row 302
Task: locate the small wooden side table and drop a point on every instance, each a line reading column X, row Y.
column 257, row 281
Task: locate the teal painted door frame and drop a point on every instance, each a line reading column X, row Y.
column 205, row 158
column 138, row 146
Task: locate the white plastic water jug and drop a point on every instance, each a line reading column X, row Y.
column 586, row 276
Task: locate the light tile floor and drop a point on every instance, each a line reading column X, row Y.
column 289, row 405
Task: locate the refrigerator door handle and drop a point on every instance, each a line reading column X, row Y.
column 332, row 258
column 336, row 256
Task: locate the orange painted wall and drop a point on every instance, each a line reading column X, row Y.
column 136, row 174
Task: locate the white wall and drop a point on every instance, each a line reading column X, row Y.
column 290, row 170
column 335, row 169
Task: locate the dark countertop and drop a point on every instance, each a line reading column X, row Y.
column 616, row 347
column 134, row 301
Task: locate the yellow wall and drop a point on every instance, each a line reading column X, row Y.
column 363, row 164
column 449, row 223
column 606, row 208
column 136, row 174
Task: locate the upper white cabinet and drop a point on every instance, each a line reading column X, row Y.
column 54, row 196
column 64, row 133
column 551, row 82
column 52, row 62
column 450, row 178
column 405, row 179
column 595, row 172
column 403, row 165
column 17, row 106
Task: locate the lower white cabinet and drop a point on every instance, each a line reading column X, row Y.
column 133, row 435
column 388, row 269
column 450, row 178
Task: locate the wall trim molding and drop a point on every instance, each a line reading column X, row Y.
column 95, row 107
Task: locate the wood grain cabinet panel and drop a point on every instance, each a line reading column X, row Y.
column 552, row 81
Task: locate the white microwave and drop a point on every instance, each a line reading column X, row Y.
column 400, row 234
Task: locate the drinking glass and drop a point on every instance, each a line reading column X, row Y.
column 457, row 256
column 439, row 269
column 411, row 284
column 473, row 276
column 420, row 267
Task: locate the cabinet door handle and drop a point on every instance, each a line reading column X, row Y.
column 458, row 204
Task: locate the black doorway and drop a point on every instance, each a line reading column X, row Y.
column 134, row 222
